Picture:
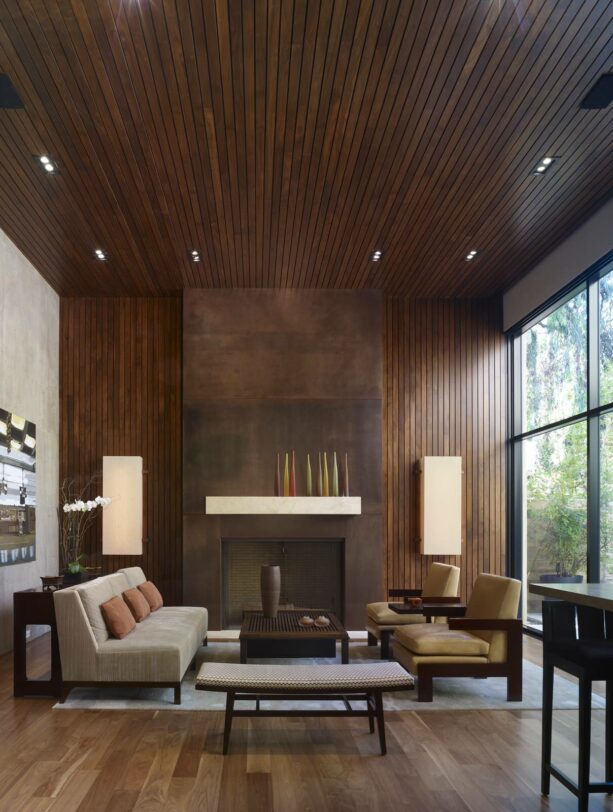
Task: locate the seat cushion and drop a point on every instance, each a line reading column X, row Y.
column 159, row 649
column 384, row 616
column 303, row 678
column 438, row 639
column 412, row 661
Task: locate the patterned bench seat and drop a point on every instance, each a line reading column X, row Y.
column 361, row 681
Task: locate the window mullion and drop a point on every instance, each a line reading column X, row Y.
column 593, row 499
column 593, row 434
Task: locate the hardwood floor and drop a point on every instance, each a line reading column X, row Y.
column 113, row 761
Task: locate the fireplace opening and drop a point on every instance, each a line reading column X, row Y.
column 312, row 575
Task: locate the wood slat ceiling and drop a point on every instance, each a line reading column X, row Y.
column 288, row 139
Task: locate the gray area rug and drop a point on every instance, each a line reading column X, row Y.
column 449, row 694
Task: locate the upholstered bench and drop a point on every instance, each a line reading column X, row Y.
column 363, row 681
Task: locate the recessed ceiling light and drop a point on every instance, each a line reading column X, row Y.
column 100, row 254
column 544, row 164
column 471, row 255
column 376, row 256
column 47, row 164
column 194, row 255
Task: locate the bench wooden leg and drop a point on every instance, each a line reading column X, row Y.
column 380, row 721
column 370, row 701
column 178, row 694
column 228, row 723
column 372, row 640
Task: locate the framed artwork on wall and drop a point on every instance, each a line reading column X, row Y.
column 17, row 489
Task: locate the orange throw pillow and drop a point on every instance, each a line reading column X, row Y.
column 137, row 604
column 152, row 593
column 118, row 618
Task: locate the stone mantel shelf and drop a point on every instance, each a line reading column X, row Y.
column 283, row 505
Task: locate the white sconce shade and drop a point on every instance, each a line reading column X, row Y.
column 122, row 520
column 440, row 505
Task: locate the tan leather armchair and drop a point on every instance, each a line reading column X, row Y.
column 442, row 581
column 486, row 642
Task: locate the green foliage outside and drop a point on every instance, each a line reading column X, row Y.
column 555, row 463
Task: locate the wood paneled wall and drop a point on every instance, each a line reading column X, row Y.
column 445, row 394
column 120, row 393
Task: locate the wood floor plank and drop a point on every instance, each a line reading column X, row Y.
column 444, row 761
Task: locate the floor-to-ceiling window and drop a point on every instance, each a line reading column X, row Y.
column 561, row 445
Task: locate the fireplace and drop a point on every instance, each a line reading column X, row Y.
column 312, row 574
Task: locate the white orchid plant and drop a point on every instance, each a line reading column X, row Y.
column 75, row 517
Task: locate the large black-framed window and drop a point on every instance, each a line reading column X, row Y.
column 561, row 439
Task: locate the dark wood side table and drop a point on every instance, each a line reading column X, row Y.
column 33, row 607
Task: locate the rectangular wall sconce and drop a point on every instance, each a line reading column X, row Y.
column 440, row 505
column 122, row 520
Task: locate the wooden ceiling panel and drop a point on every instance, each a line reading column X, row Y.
column 286, row 140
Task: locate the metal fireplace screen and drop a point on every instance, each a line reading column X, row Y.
column 311, row 574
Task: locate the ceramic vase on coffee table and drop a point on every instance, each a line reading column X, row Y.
column 270, row 587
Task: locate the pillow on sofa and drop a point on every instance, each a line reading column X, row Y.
column 152, row 594
column 118, row 617
column 137, row 604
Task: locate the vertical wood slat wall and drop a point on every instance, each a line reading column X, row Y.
column 445, row 393
column 120, row 394
column 445, row 389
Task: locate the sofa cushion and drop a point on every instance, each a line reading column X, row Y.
column 158, row 650
column 93, row 594
column 438, row 639
column 137, row 604
column 152, row 595
column 384, row 616
column 134, row 575
column 118, row 617
column 494, row 597
column 119, row 583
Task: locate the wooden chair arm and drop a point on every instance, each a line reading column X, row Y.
column 404, row 593
column 448, row 610
column 486, row 624
column 512, row 626
column 453, row 599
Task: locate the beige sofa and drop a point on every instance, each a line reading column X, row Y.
column 157, row 652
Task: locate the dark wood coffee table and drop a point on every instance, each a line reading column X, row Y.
column 285, row 637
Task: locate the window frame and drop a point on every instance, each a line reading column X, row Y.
column 587, row 281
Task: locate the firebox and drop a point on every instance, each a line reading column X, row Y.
column 312, row 574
